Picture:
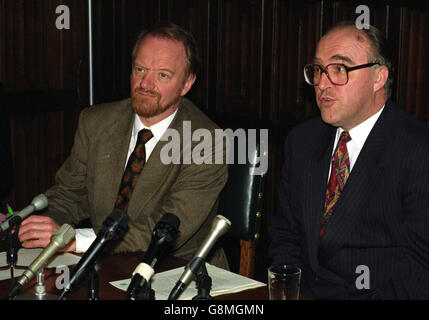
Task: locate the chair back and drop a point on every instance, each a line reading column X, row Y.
column 241, row 202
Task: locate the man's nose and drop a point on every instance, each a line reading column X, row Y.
column 324, row 81
column 147, row 81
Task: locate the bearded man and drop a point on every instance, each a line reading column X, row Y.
column 93, row 180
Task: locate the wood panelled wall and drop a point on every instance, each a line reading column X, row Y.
column 253, row 53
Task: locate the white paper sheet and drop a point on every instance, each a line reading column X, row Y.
column 223, row 282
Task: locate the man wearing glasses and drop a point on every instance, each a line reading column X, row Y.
column 354, row 193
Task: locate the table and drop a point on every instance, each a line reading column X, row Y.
column 117, row 267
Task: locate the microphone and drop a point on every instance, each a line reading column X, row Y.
column 163, row 235
column 58, row 241
column 220, row 225
column 38, row 203
column 113, row 228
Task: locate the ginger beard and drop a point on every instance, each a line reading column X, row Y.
column 151, row 106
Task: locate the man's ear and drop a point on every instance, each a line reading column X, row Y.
column 382, row 74
column 188, row 84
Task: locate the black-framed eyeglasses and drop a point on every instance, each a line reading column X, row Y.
column 337, row 73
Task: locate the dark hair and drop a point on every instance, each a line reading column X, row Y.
column 381, row 51
column 171, row 31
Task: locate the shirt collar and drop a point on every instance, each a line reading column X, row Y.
column 157, row 129
column 362, row 130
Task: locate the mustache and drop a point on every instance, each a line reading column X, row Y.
column 145, row 91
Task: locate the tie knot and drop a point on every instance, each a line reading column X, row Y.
column 144, row 136
column 345, row 137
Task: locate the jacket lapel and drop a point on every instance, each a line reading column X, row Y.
column 314, row 191
column 112, row 153
column 358, row 188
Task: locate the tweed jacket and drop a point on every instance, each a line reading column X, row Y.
column 88, row 182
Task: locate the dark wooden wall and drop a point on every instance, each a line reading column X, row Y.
column 253, row 53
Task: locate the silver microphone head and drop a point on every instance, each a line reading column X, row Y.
column 64, row 235
column 40, row 202
column 221, row 224
column 59, row 240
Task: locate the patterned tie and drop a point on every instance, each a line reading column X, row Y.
column 132, row 171
column 339, row 174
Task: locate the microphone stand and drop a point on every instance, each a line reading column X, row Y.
column 12, row 246
column 39, row 290
column 93, row 284
column 146, row 293
column 142, row 292
column 204, row 284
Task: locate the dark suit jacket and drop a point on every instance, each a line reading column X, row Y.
column 381, row 220
column 88, row 182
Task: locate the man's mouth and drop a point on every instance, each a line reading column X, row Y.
column 326, row 100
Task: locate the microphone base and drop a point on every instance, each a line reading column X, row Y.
column 146, row 293
column 202, row 298
column 33, row 296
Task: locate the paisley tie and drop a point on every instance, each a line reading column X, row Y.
column 132, row 171
column 339, row 174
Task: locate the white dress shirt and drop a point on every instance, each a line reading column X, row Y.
column 359, row 134
column 85, row 236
